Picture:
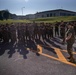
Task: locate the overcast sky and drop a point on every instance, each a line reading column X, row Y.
column 33, row 6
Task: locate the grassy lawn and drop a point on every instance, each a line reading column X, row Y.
column 54, row 19
column 45, row 20
column 14, row 21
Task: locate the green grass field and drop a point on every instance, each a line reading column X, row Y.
column 14, row 21
column 45, row 20
column 54, row 19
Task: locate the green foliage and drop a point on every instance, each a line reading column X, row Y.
column 1, row 15
column 6, row 14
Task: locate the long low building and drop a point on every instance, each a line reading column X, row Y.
column 54, row 13
column 30, row 16
column 44, row 14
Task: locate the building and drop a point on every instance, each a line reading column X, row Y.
column 30, row 16
column 54, row 13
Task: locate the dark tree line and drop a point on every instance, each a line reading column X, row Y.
column 4, row 14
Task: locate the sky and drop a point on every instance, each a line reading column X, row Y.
column 34, row 6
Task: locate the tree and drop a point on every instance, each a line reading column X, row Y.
column 1, row 16
column 6, row 14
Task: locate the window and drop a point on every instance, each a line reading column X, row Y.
column 62, row 14
column 47, row 15
column 50, row 14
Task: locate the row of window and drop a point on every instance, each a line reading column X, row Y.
column 49, row 15
column 61, row 14
column 66, row 14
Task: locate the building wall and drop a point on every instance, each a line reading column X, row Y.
column 54, row 13
column 62, row 13
column 30, row 16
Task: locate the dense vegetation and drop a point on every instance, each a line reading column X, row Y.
column 4, row 14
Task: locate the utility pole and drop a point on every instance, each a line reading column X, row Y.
column 22, row 10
